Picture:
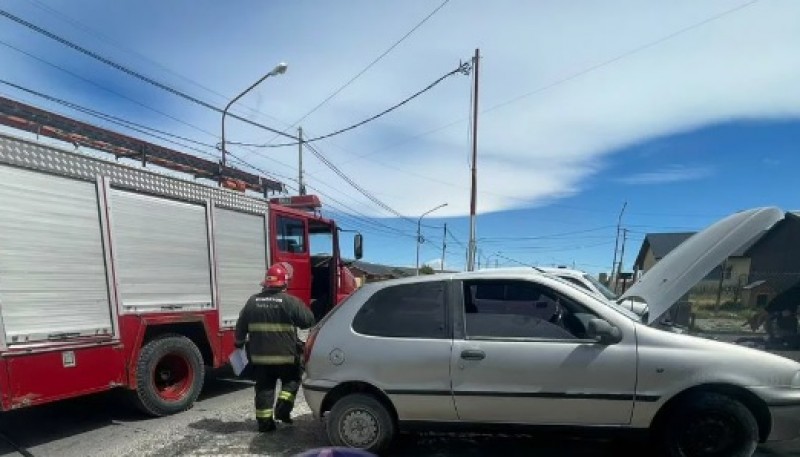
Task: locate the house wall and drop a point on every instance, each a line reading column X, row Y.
column 649, row 260
column 776, row 257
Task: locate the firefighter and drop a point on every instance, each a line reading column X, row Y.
column 269, row 323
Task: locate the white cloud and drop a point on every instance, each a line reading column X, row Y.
column 538, row 148
column 670, row 174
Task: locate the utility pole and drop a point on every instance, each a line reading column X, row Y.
column 722, row 268
column 300, row 185
column 621, row 257
column 616, row 242
column 444, row 247
column 473, row 199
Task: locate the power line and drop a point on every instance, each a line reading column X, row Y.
column 548, row 236
column 463, row 68
column 365, row 69
column 573, row 76
column 88, row 81
column 80, row 25
column 135, row 74
column 116, row 120
column 137, row 102
column 391, row 229
column 357, row 187
column 145, row 129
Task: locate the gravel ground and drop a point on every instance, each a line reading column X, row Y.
column 222, row 424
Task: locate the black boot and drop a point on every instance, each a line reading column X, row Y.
column 283, row 411
column 266, row 425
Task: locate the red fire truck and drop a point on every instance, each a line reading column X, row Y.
column 117, row 276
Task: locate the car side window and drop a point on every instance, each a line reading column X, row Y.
column 405, row 311
column 521, row 309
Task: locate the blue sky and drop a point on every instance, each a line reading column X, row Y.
column 686, row 110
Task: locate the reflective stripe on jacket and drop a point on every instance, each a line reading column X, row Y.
column 270, row 319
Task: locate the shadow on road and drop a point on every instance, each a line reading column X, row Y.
column 39, row 425
column 224, row 427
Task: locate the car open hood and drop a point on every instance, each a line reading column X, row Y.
column 680, row 270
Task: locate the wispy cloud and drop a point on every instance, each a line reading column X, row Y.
column 670, row 174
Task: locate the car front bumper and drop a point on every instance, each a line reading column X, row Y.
column 784, row 410
column 785, row 422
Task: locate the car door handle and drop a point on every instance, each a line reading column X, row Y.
column 473, row 354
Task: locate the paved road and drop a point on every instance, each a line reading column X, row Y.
column 220, row 424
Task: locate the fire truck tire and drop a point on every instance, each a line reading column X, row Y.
column 169, row 375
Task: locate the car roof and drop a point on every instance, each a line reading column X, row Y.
column 497, row 273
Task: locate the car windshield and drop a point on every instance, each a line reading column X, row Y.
column 611, row 303
column 603, row 289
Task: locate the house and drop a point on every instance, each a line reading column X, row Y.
column 370, row 272
column 734, row 272
column 755, row 273
column 774, row 261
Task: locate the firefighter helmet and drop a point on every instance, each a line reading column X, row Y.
column 278, row 276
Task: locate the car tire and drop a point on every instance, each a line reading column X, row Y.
column 360, row 421
column 169, row 375
column 709, row 425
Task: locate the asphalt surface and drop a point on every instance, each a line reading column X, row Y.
column 221, row 424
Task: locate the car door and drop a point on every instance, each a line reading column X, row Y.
column 516, row 361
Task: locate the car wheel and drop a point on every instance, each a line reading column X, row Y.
column 710, row 425
column 360, row 421
column 169, row 375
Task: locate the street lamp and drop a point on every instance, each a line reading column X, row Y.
column 419, row 235
column 278, row 70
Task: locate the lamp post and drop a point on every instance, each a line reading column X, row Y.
column 419, row 226
column 278, row 70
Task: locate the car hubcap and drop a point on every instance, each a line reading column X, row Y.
column 708, row 436
column 359, row 428
column 172, row 377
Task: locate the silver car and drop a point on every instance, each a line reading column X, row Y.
column 507, row 349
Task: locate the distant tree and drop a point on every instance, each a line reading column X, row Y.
column 426, row 270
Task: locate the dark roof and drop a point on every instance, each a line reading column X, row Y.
column 791, row 216
column 663, row 243
column 373, row 268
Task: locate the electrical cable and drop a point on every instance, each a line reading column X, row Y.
column 463, row 68
column 365, row 69
column 573, row 76
column 136, row 74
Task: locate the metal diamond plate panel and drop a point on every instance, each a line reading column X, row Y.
column 27, row 154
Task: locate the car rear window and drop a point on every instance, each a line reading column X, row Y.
column 405, row 311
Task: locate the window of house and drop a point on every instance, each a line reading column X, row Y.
column 291, row 235
column 521, row 309
column 405, row 311
column 761, row 300
column 728, row 272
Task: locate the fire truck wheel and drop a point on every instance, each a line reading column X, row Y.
column 169, row 375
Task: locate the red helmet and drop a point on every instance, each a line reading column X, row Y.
column 278, row 275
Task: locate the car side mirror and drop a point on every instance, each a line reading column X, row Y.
column 358, row 246
column 603, row 332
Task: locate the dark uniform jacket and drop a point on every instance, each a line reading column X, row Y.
column 271, row 319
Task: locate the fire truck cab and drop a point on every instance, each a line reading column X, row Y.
column 310, row 244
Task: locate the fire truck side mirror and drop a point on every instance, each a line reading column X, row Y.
column 358, row 246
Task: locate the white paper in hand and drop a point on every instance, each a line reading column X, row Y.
column 238, row 359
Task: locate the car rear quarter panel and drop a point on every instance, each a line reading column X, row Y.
column 413, row 373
